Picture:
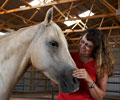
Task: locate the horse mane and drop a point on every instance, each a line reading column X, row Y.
column 8, row 33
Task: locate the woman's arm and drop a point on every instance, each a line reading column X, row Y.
column 99, row 89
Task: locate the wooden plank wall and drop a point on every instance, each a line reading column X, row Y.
column 113, row 85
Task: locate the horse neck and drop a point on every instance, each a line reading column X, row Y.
column 14, row 57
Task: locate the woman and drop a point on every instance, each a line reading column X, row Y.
column 94, row 64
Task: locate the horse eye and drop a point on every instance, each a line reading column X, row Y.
column 54, row 43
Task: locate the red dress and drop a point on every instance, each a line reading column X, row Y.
column 83, row 92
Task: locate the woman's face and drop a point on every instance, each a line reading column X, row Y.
column 86, row 47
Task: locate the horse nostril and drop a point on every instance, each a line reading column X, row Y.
column 64, row 84
column 74, row 81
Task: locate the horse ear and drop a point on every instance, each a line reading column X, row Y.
column 49, row 16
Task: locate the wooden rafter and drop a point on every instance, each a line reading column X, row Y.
column 89, row 17
column 110, row 36
column 108, row 5
column 26, row 2
column 77, row 23
column 111, row 8
column 38, row 6
column 118, row 4
column 101, row 22
column 115, row 36
column 2, row 6
column 2, row 25
column 100, row 28
column 82, row 2
column 75, row 45
column 62, row 20
column 103, row 11
column 34, row 14
column 9, row 20
column 98, row 24
column 110, row 32
column 89, row 13
column 19, row 16
column 69, row 9
column 59, row 11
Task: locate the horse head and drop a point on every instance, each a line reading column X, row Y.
column 49, row 53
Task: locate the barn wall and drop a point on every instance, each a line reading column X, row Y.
column 113, row 86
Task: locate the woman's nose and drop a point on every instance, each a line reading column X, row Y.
column 83, row 45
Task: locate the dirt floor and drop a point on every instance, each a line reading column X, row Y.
column 34, row 97
column 22, row 99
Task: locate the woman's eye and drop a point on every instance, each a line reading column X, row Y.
column 54, row 43
column 82, row 41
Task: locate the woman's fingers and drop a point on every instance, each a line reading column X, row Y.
column 79, row 73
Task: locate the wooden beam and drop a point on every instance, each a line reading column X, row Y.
column 19, row 26
column 62, row 20
column 24, row 25
column 118, row 4
column 82, row 2
column 111, row 36
column 37, row 10
column 111, row 8
column 103, row 11
column 100, row 28
column 112, row 43
column 118, row 17
column 108, row 5
column 5, row 22
column 69, row 16
column 110, row 31
column 34, row 14
column 98, row 24
column 89, row 13
column 77, row 44
column 26, row 2
column 37, row 6
column 108, row 28
column 89, row 17
column 25, row 19
column 2, row 6
column 59, row 11
column 10, row 19
column 69, row 9
column 101, row 22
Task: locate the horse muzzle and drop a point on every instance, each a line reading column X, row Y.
column 68, row 83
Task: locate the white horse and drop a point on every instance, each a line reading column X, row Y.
column 42, row 45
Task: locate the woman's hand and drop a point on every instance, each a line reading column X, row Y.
column 82, row 74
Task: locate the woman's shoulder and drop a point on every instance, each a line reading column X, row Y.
column 92, row 61
column 74, row 53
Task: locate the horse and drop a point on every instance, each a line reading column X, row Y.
column 42, row 45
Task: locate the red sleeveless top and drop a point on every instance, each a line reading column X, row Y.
column 83, row 92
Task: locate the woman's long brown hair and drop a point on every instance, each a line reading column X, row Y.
column 102, row 52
